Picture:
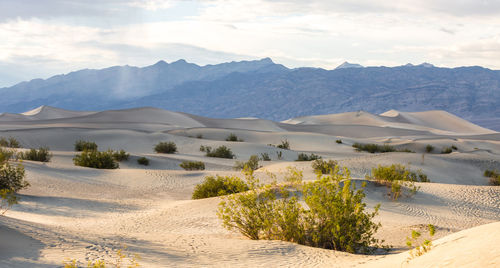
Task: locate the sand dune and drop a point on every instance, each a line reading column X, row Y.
column 83, row 213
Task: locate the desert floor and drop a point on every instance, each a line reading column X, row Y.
column 72, row 212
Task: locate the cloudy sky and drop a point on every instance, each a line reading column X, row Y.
column 44, row 38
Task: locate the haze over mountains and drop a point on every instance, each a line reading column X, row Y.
column 268, row 90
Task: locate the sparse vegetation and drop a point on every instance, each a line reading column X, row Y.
column 494, row 177
column 121, row 155
column 447, row 150
column 420, row 248
column 454, row 147
column 398, row 179
column 265, row 157
column 42, row 155
column 10, row 142
column 284, row 145
column 11, row 181
column 252, row 163
column 192, row 165
column 218, row 186
column 335, row 217
column 119, row 261
column 96, row 159
column 373, row 148
column 324, row 167
column 306, row 157
column 233, row 137
column 205, row 149
column 199, row 136
column 82, row 145
column 166, row 147
column 221, row 152
column 279, row 155
column 429, row 148
column 143, row 161
column 339, row 141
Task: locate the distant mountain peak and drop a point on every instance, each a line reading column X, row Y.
column 180, row 61
column 425, row 64
column 347, row 65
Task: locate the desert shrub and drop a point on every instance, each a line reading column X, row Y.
column 42, row 154
column 454, row 147
column 252, row 163
column 166, row 147
column 5, row 155
column 324, row 167
column 96, row 159
column 221, row 152
column 335, row 218
column 7, row 199
column 293, row 176
column 265, row 157
column 373, row 148
column 10, row 142
column 284, row 145
column 405, row 150
column 419, row 247
column 192, row 165
column 306, row 157
column 447, row 150
column 199, row 136
column 233, row 137
column 82, row 145
column 429, row 148
column 279, row 155
column 339, row 141
column 494, row 177
column 143, row 161
column 121, row 155
column 398, row 179
column 218, row 186
column 12, row 177
column 205, row 149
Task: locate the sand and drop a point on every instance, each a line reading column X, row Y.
column 81, row 213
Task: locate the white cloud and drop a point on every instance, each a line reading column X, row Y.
column 152, row 5
column 316, row 33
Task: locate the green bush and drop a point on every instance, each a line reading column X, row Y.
column 265, row 157
column 192, row 165
column 233, row 137
column 447, row 150
column 324, row 167
column 454, row 147
column 221, row 152
column 166, row 147
column 494, row 177
column 306, row 157
column 82, row 145
column 5, row 155
column 252, row 163
column 205, row 148
column 12, row 177
column 7, row 200
column 373, row 148
column 429, row 148
column 121, row 155
column 398, row 179
column 10, row 142
column 96, row 159
column 284, row 145
column 42, row 154
column 335, row 218
column 143, row 161
column 218, row 186
column 339, row 141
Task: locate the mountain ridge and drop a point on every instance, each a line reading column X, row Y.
column 267, row 90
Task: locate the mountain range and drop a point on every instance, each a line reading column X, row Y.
column 267, row 90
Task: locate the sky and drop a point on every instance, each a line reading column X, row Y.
column 44, row 38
